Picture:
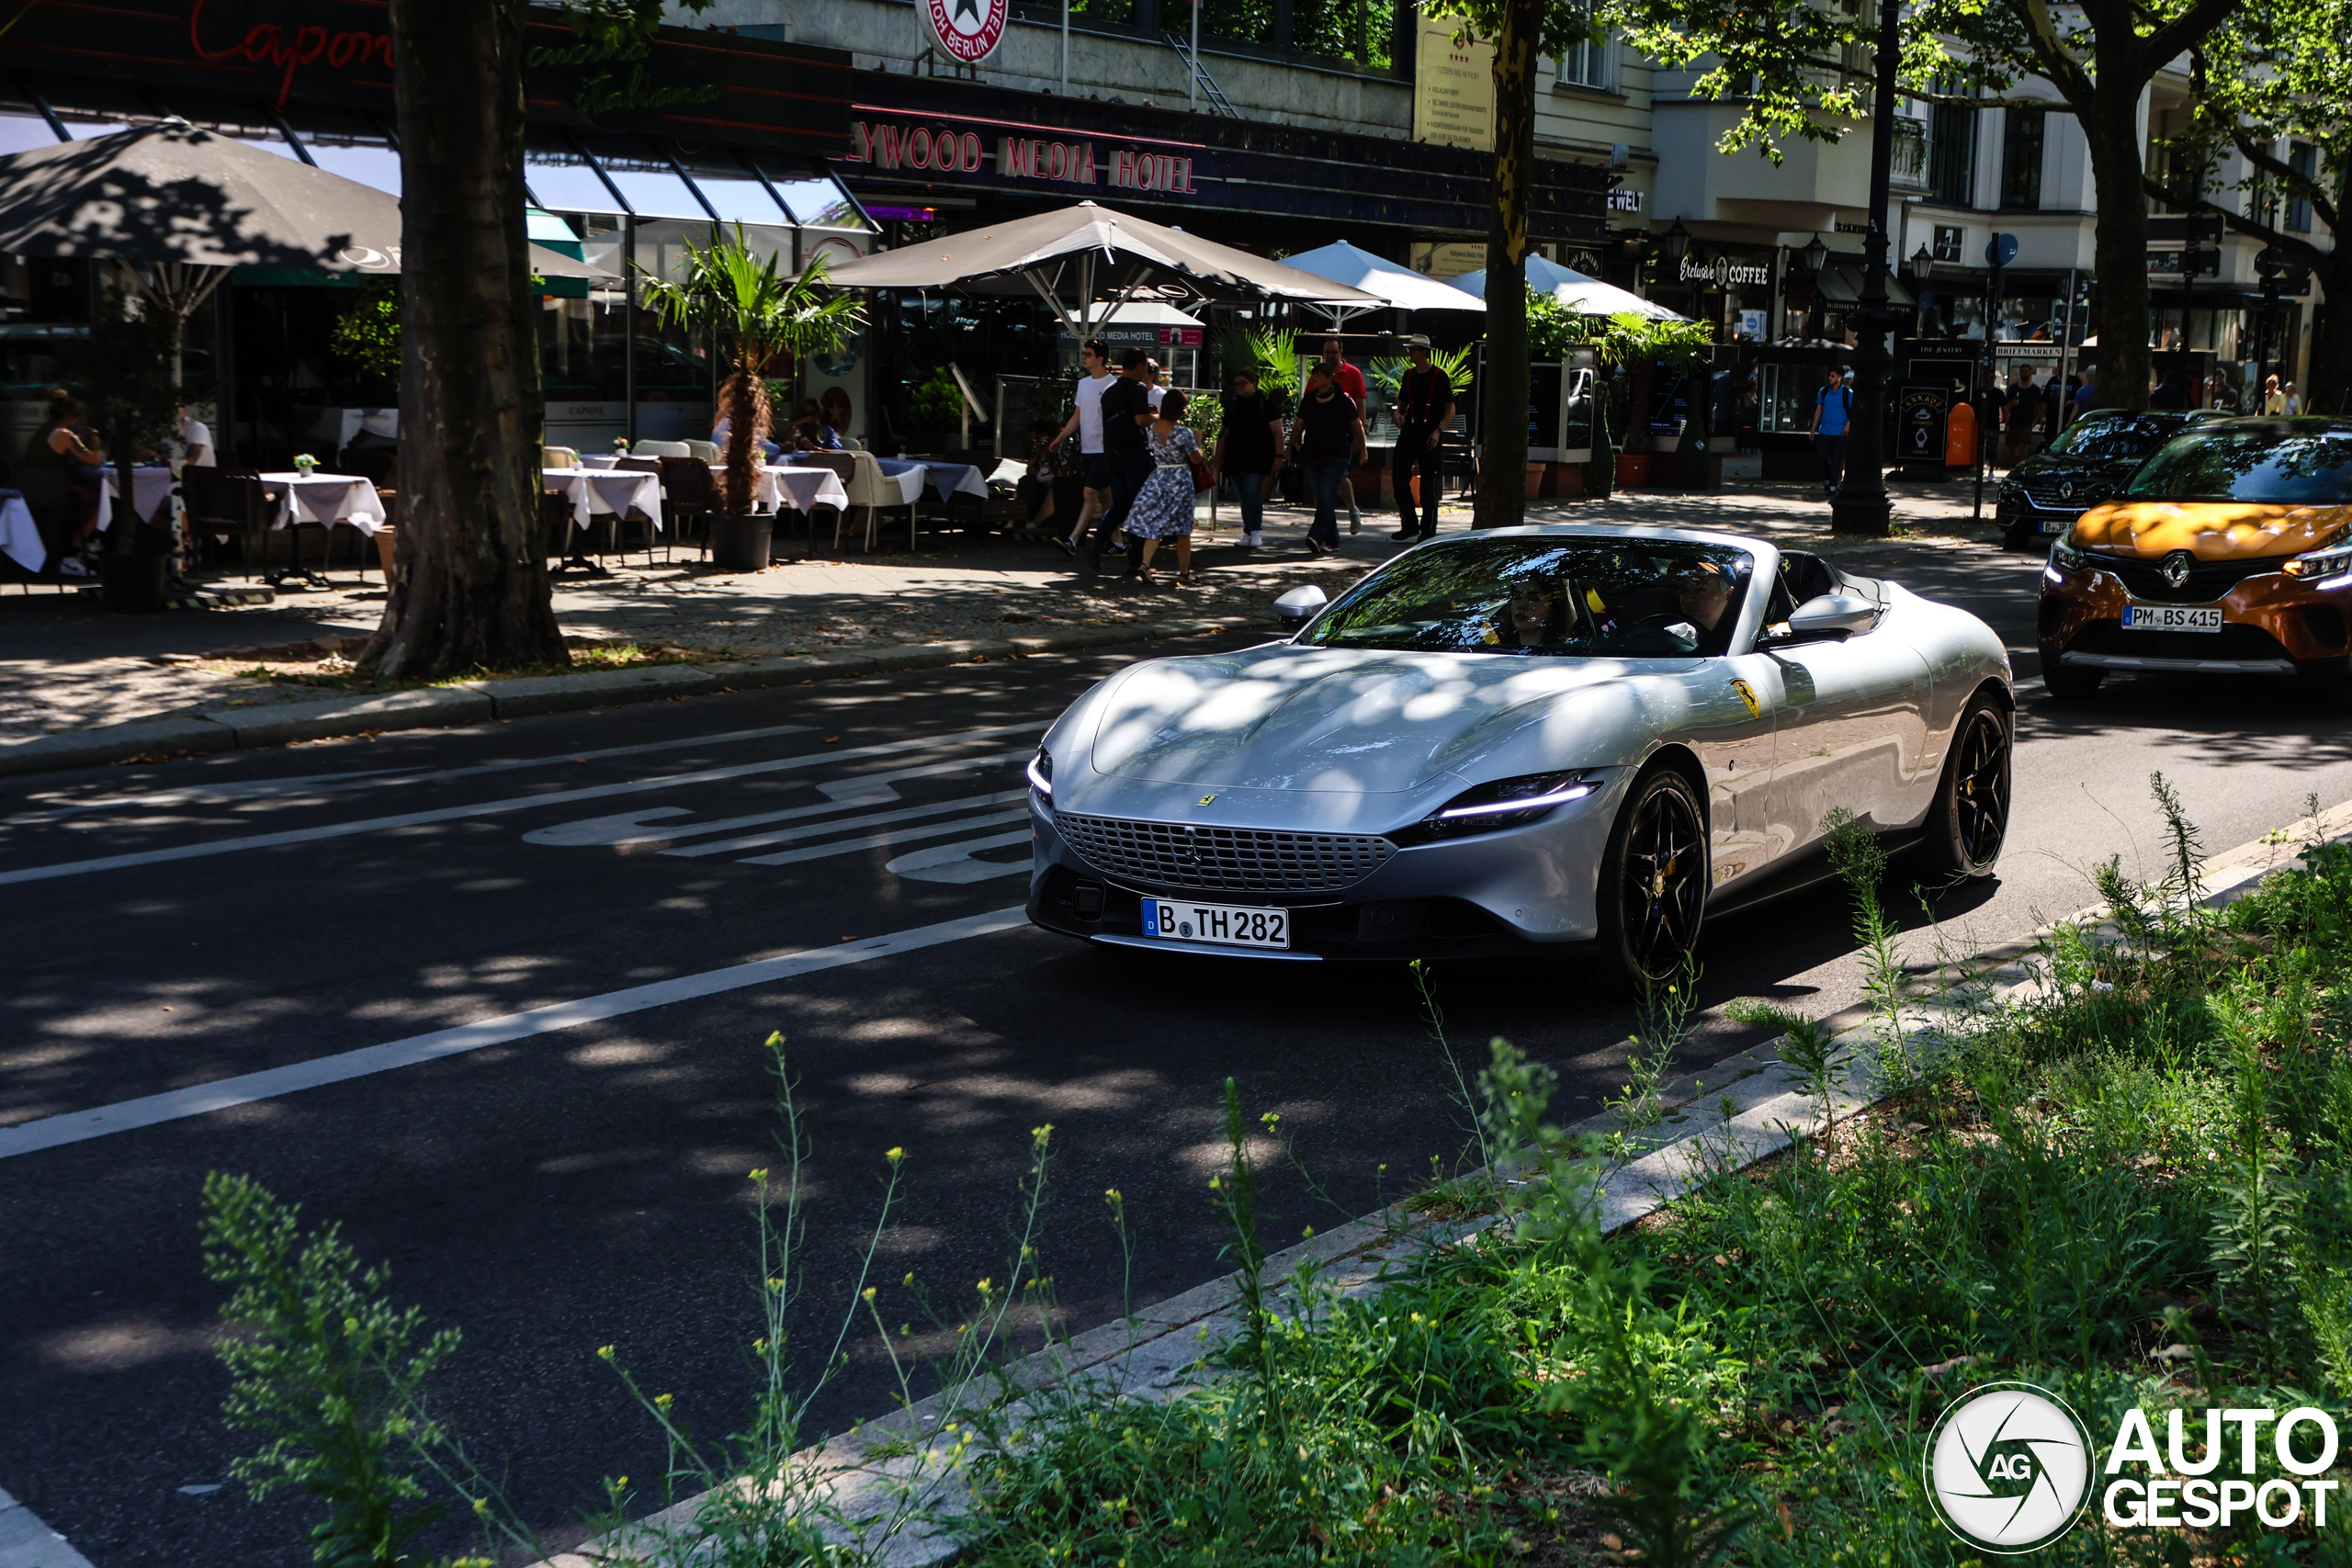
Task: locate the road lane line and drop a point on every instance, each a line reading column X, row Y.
column 895, row 836
column 490, row 807
column 231, row 791
column 954, row 862
column 79, row 1126
column 871, row 819
column 631, row 830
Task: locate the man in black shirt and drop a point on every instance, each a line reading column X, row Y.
column 1248, row 450
column 1126, row 409
column 1424, row 404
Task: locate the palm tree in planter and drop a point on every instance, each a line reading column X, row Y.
column 753, row 312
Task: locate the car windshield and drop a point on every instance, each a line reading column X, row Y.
column 1627, row 598
column 2290, row 469
column 2113, row 435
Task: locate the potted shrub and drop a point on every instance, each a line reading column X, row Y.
column 753, row 313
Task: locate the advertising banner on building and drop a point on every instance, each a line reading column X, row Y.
column 1454, row 87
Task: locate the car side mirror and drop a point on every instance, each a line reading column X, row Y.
column 1300, row 605
column 1829, row 615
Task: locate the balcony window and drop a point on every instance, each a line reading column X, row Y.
column 2021, row 159
column 1952, row 157
column 1585, row 63
column 2300, row 158
column 1912, row 154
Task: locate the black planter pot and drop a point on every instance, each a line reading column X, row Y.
column 740, row 543
column 133, row 585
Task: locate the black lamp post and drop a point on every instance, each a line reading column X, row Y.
column 1674, row 246
column 1817, row 256
column 1923, row 265
column 1861, row 505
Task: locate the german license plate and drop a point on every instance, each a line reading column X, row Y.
column 2056, row 522
column 2172, row 618
column 1220, row 925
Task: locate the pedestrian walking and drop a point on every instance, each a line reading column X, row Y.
column 1424, row 407
column 1350, row 381
column 1833, row 412
column 1326, row 433
column 2087, row 394
column 2294, row 402
column 1086, row 421
column 1162, row 508
column 2274, row 401
column 1127, row 409
column 1250, row 449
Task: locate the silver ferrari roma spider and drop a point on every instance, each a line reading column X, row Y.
column 1523, row 740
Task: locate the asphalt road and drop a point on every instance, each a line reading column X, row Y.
column 550, row 1190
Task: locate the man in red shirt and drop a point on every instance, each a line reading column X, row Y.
column 1349, row 379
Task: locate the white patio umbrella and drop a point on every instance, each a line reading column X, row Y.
column 1071, row 255
column 1580, row 292
column 1401, row 288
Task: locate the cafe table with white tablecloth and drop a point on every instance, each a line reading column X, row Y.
column 777, row 487
column 600, row 493
column 151, row 484
column 945, row 479
column 20, row 539
column 326, row 499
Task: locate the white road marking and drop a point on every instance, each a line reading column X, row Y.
column 26, row 1543
column 954, row 862
column 629, row 828
column 79, row 1126
column 491, row 807
column 232, row 790
column 895, row 836
column 872, row 818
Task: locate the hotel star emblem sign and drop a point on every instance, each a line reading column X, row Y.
column 966, row 31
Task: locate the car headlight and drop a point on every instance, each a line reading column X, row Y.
column 1041, row 773
column 2066, row 557
column 2313, row 565
column 1506, row 802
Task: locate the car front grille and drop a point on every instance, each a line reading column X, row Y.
column 2046, row 491
column 1256, row 860
column 2207, row 580
column 2236, row 640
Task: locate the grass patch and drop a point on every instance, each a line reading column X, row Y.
column 330, row 669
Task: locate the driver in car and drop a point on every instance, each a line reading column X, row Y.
column 1706, row 591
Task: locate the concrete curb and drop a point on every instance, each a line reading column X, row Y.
column 475, row 702
column 1745, row 1109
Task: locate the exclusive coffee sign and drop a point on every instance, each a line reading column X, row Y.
column 966, row 31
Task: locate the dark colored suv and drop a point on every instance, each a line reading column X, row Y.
column 2090, row 462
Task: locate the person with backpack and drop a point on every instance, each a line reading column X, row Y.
column 1833, row 410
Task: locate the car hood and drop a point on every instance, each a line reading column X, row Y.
column 2098, row 470
column 2209, row 530
column 1353, row 720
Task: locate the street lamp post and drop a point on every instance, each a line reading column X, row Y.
column 1922, row 266
column 1861, row 505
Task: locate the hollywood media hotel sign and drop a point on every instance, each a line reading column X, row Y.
column 946, row 148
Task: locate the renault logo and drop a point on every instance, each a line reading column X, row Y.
column 2175, row 571
column 2066, row 491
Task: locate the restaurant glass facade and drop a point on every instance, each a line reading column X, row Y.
column 737, row 137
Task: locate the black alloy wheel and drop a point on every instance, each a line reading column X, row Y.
column 1970, row 820
column 1653, row 884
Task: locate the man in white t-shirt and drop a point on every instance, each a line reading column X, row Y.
column 1094, row 358
column 196, row 441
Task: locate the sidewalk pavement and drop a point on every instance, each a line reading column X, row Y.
column 69, row 670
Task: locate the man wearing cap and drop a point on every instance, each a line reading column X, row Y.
column 1424, row 404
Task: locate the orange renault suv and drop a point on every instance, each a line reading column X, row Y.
column 2230, row 553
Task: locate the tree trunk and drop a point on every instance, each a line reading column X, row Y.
column 472, row 589
column 1502, row 416
column 747, row 419
column 2331, row 365
column 2110, row 125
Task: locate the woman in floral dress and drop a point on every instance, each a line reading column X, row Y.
column 1163, row 507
